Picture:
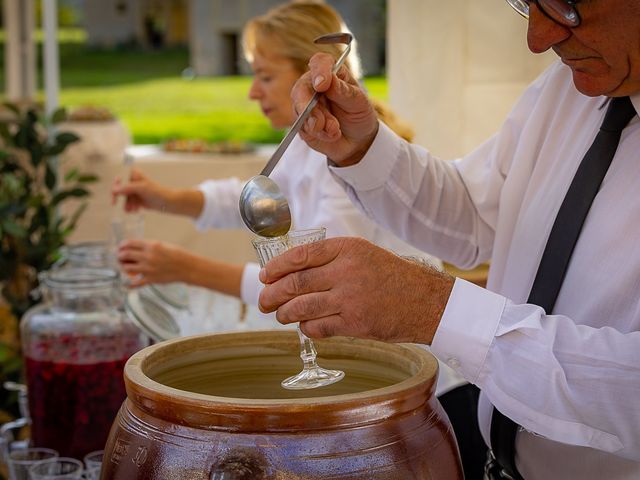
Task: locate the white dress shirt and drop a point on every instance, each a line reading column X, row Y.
column 570, row 377
column 315, row 199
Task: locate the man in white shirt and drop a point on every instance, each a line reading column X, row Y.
column 569, row 377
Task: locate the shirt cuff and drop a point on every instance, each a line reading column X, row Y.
column 467, row 328
column 375, row 167
column 250, row 286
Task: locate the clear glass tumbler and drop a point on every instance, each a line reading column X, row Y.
column 93, row 459
column 312, row 375
column 62, row 468
column 20, row 461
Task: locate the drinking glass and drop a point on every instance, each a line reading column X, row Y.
column 126, row 227
column 92, row 473
column 312, row 375
column 93, row 459
column 21, row 460
column 62, row 468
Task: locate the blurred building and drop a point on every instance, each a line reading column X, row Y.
column 212, row 28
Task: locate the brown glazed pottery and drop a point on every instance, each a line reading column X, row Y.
column 210, row 407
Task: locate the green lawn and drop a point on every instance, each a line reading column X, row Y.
column 146, row 91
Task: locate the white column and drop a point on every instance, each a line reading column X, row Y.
column 51, row 57
column 455, row 68
column 204, row 37
column 20, row 53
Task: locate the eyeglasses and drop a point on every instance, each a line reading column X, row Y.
column 563, row 12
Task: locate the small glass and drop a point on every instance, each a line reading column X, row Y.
column 92, row 473
column 312, row 375
column 93, row 459
column 126, row 227
column 20, row 461
column 62, row 468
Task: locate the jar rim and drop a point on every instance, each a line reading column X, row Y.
column 79, row 278
column 243, row 414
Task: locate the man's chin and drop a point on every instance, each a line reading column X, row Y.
column 590, row 85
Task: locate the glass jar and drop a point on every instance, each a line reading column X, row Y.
column 75, row 344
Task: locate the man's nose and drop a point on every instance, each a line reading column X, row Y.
column 543, row 32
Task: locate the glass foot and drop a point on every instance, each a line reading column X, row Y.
column 313, row 377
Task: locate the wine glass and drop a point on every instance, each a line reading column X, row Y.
column 312, row 375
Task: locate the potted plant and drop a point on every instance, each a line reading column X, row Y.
column 32, row 229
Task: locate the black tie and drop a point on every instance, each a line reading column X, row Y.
column 562, row 239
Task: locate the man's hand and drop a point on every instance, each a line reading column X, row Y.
column 350, row 287
column 344, row 124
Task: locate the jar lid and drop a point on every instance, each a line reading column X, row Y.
column 150, row 316
column 175, row 294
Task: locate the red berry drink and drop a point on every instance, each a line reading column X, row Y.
column 73, row 405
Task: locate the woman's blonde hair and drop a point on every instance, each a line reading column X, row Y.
column 289, row 31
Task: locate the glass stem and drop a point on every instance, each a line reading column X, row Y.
column 307, row 350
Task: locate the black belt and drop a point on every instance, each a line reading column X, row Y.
column 493, row 470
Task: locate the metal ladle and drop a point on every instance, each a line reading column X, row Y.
column 263, row 207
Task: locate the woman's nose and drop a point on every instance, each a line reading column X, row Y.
column 543, row 32
column 255, row 92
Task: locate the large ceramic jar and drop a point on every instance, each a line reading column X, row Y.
column 210, row 407
column 75, row 345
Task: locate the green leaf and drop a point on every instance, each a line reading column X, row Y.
column 12, row 209
column 37, row 153
column 50, row 176
column 71, row 175
column 32, row 116
column 60, row 115
column 71, row 224
column 5, row 134
column 62, row 141
column 77, row 192
column 12, row 228
column 88, row 178
column 67, row 138
column 6, row 352
column 14, row 364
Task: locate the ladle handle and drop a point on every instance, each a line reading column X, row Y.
column 277, row 155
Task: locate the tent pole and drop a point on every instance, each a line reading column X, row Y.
column 51, row 56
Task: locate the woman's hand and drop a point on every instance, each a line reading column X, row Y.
column 141, row 192
column 151, row 261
